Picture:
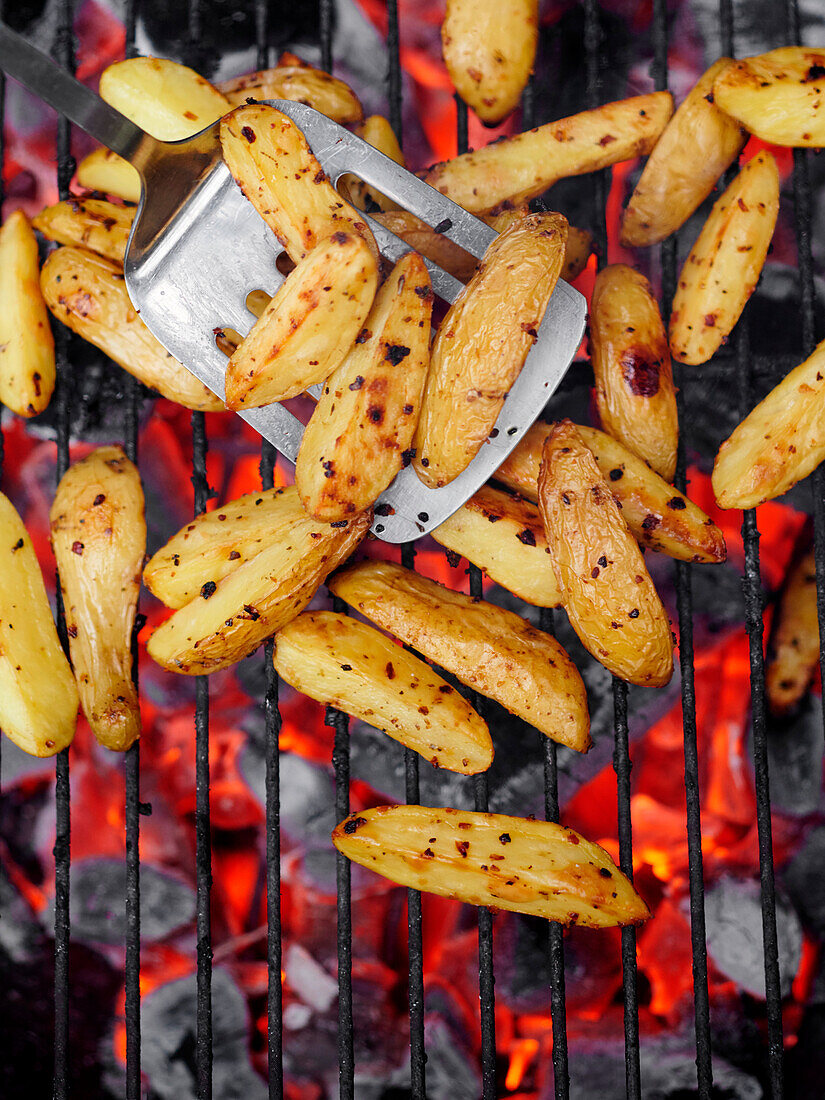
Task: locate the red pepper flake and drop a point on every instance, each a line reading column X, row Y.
column 249, row 134
column 462, row 846
column 77, row 547
column 99, row 499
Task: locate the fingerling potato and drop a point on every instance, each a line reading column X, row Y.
column 300, row 84
column 102, row 170
column 433, row 246
column 102, row 227
column 793, row 653
column 168, row 100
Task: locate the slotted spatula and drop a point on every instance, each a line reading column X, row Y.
column 198, row 247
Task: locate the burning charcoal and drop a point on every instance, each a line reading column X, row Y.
column 734, row 935
column 795, row 754
column 307, row 804
column 452, row 1071
column 168, row 1017
column 805, row 883
column 20, row 932
column 308, row 980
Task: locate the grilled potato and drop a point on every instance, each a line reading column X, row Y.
column 378, row 133
column 698, row 144
column 724, row 265
column 659, row 516
column 276, row 170
column 167, row 100
column 233, row 615
column 635, row 394
column 777, row 96
column 349, row 665
column 434, row 246
column 504, row 536
column 526, row 866
column 577, row 248
column 489, row 49
column 300, row 84
column 793, row 654
column 98, row 532
column 38, row 697
column 308, row 327
column 102, row 227
column 482, row 343
column 777, row 444
column 103, row 170
column 489, row 649
column 608, row 594
column 522, row 167
column 87, row 293
column 360, row 432
column 27, row 369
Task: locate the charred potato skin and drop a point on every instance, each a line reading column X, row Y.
column 608, row 594
column 777, row 95
column 793, row 653
column 698, row 144
column 504, row 536
column 300, row 84
column 27, row 366
column 98, row 533
column 489, row 50
column 308, row 326
column 725, row 263
column 778, row 443
column 635, row 394
column 503, row 862
column 482, row 344
column 168, row 100
column 370, row 404
column 523, row 167
column 492, row 650
column 349, row 665
column 38, row 696
column 100, row 226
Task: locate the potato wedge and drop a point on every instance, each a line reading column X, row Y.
column 635, row 394
column 777, row 444
column 309, row 326
column 103, row 170
column 369, row 406
column 433, row 246
column 489, row 49
column 492, row 650
column 87, row 293
column 577, row 248
column 504, row 536
column 608, row 594
column 276, row 170
column 166, row 99
column 300, row 84
column 102, row 227
column 482, row 343
column 724, row 265
column 793, row 653
column 698, row 144
column 98, row 533
column 659, row 516
column 777, row 96
column 526, row 866
column 38, row 696
column 377, row 132
column 522, row 167
column 232, row 616
column 27, row 369
column 349, row 665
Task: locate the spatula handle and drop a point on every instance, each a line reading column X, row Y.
column 37, row 72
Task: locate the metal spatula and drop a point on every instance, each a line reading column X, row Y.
column 198, row 247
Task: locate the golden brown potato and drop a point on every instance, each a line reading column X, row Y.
column 27, row 369
column 482, row 343
column 276, row 170
column 522, row 167
column 489, row 49
column 100, row 226
column 98, row 533
column 777, row 444
column 793, row 654
column 87, row 293
column 504, row 536
column 489, row 649
column 103, row 170
column 777, row 96
column 698, row 144
column 378, row 133
column 433, row 246
column 635, row 394
column 608, row 594
column 514, row 863
column 38, row 696
column 659, row 516
column 349, row 665
column 300, row 84
column 577, row 249
column 360, row 432
column 308, row 327
column 232, row 616
column 166, row 99
column 724, row 265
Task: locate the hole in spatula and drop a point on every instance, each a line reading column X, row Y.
column 227, row 339
column 258, row 300
column 284, row 264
